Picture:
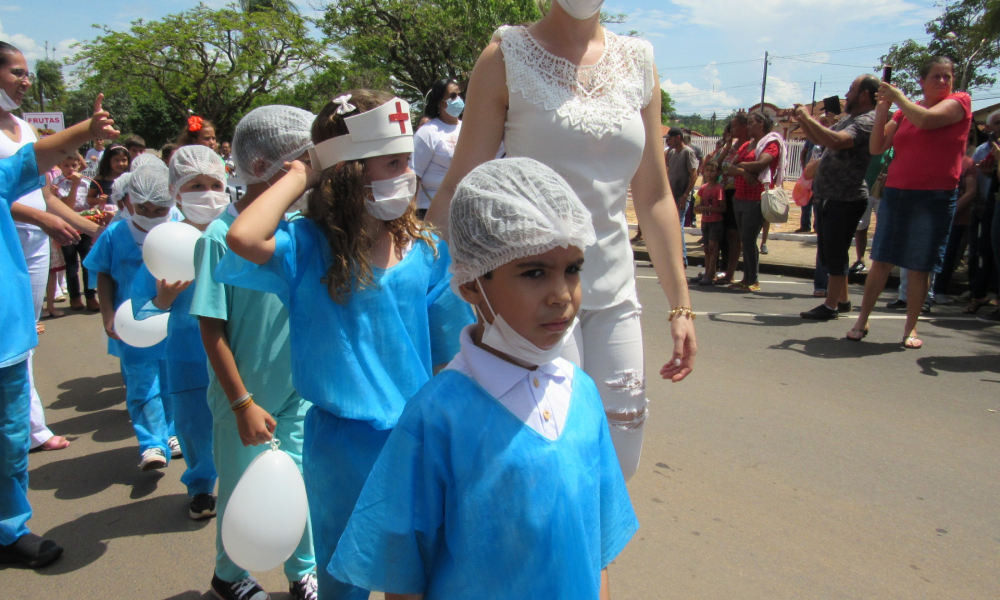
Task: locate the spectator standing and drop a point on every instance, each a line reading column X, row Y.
column 434, row 143
column 738, row 137
column 94, row 155
column 967, row 195
column 167, row 151
column 712, row 207
column 875, row 177
column 982, row 262
column 917, row 208
column 198, row 131
column 682, row 173
column 135, row 146
column 840, row 192
column 71, row 189
column 114, row 163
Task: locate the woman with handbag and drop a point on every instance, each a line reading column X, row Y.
column 757, row 168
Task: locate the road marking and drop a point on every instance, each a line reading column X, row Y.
column 846, row 317
column 782, row 282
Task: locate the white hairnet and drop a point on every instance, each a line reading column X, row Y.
column 150, row 184
column 142, row 160
column 120, row 187
column 508, row 209
column 188, row 162
column 269, row 136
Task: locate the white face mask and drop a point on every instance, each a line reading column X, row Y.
column 392, row 196
column 501, row 337
column 6, row 102
column 149, row 223
column 581, row 9
column 203, row 207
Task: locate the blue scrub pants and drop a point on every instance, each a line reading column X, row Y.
column 193, row 422
column 232, row 458
column 150, row 408
column 338, row 457
column 15, row 408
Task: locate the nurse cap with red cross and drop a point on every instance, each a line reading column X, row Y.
column 377, row 132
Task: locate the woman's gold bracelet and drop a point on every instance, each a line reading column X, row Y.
column 242, row 403
column 683, row 311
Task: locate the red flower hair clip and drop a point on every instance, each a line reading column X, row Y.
column 194, row 123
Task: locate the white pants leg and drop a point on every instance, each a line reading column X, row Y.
column 35, row 245
column 607, row 345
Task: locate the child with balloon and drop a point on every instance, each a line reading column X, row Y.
column 245, row 334
column 116, row 257
column 197, row 181
column 371, row 312
column 501, row 473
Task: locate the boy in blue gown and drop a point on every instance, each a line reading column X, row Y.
column 20, row 174
column 500, row 479
column 116, row 257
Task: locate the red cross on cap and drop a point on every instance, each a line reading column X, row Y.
column 400, row 116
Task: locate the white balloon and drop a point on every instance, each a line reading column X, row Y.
column 266, row 515
column 169, row 251
column 140, row 334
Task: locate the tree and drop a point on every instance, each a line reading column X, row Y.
column 414, row 44
column 210, row 62
column 957, row 34
column 48, row 90
column 667, row 108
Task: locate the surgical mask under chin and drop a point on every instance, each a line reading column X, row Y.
column 392, row 196
column 581, row 9
column 203, row 207
column 148, row 223
column 455, row 107
column 6, row 102
column 501, row 337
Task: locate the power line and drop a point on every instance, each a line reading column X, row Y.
column 929, row 37
column 818, row 62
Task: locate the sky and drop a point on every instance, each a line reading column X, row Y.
column 709, row 53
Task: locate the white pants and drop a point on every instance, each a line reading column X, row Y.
column 35, row 245
column 607, row 345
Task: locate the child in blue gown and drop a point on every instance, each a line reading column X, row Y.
column 197, row 181
column 371, row 312
column 500, row 479
column 116, row 257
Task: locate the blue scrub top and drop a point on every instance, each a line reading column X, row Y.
column 365, row 359
column 467, row 501
column 18, row 176
column 116, row 253
column 187, row 363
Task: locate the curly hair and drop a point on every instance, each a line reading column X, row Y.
column 338, row 207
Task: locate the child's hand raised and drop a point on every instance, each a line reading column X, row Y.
column 312, row 176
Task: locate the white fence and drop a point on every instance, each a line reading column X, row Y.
column 793, row 167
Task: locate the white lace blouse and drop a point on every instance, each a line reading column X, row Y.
column 585, row 123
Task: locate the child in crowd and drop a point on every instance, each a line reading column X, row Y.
column 166, row 152
column 197, row 181
column 135, row 145
column 371, row 313
column 245, row 333
column 712, row 209
column 500, row 479
column 116, row 258
column 73, row 189
column 114, row 162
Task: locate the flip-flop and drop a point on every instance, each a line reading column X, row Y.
column 975, row 305
column 912, row 342
column 856, row 337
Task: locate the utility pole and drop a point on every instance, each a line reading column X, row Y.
column 763, row 85
column 812, row 107
column 713, row 123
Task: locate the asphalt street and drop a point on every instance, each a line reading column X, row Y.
column 791, row 464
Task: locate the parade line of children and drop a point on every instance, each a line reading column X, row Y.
column 447, row 450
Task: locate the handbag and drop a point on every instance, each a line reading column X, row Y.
column 774, row 205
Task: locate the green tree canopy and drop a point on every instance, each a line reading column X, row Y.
column 48, row 90
column 667, row 108
column 213, row 63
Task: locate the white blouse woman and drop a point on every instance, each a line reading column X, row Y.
column 586, row 102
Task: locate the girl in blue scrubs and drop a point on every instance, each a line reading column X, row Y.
column 371, row 312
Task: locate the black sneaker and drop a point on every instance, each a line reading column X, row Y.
column 857, row 267
column 897, row 303
column 820, row 313
column 244, row 589
column 993, row 317
column 304, row 589
column 31, row 551
column 202, row 507
column 844, row 307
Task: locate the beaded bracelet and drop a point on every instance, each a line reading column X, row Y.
column 241, row 402
column 244, row 406
column 683, row 311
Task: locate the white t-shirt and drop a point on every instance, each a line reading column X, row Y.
column 64, row 186
column 9, row 148
column 94, row 156
column 433, row 149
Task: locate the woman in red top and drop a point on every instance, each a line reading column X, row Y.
column 928, row 141
column 746, row 170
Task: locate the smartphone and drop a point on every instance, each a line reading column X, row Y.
column 832, row 105
column 887, row 73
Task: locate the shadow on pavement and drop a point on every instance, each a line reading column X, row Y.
column 88, row 394
column 983, row 363
column 829, row 347
column 84, row 539
column 192, row 595
column 760, row 320
column 110, row 425
column 84, row 476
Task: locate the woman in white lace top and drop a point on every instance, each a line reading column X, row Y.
column 586, row 102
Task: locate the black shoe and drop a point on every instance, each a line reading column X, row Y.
column 244, row 589
column 993, row 317
column 857, row 267
column 304, row 589
column 802, row 230
column 897, row 303
column 202, row 507
column 820, row 313
column 31, row 551
column 844, row 307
